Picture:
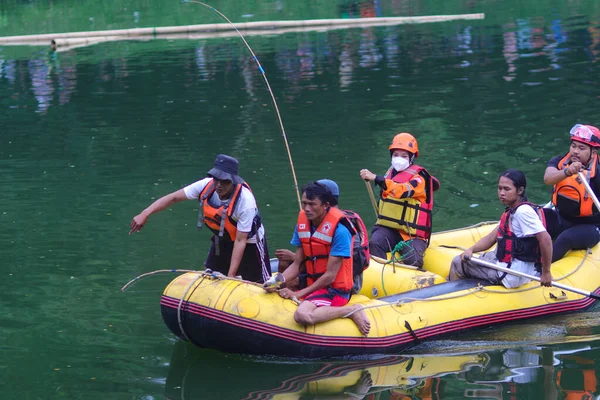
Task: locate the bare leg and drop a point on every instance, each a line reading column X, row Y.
column 360, row 319
column 309, row 314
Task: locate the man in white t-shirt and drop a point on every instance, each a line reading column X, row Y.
column 228, row 208
column 523, row 242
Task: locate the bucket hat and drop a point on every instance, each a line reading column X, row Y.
column 226, row 168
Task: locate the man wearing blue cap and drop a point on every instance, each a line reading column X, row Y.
column 285, row 256
column 228, row 208
column 360, row 246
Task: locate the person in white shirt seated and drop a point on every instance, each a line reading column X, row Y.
column 524, row 245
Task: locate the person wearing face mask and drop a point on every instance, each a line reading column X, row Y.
column 575, row 221
column 228, row 208
column 405, row 204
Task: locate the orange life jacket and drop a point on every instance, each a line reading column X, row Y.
column 570, row 196
column 317, row 246
column 409, row 215
column 509, row 246
column 218, row 218
column 588, row 379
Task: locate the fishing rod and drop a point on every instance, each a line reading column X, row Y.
column 262, row 71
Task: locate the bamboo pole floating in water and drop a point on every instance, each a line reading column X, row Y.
column 258, row 27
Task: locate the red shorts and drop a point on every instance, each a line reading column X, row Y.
column 328, row 297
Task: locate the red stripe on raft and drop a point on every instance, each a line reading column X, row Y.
column 389, row 341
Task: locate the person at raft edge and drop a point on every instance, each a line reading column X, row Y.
column 228, row 208
column 523, row 242
column 405, row 204
column 575, row 221
column 360, row 249
column 323, row 238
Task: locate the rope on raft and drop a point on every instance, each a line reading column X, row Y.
column 179, row 320
column 479, row 288
column 401, row 301
column 217, row 275
column 396, row 258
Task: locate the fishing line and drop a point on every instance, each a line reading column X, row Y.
column 262, row 71
column 160, row 271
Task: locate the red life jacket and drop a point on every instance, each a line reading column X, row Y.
column 360, row 249
column 409, row 215
column 317, row 246
column 570, row 196
column 509, row 246
column 218, row 218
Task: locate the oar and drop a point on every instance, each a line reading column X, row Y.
column 533, row 278
column 372, row 196
column 589, row 190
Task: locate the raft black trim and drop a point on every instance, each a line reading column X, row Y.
column 412, row 332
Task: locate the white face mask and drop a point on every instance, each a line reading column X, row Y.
column 400, row 163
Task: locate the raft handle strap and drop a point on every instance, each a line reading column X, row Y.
column 411, row 331
column 562, row 296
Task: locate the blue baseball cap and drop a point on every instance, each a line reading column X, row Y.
column 333, row 187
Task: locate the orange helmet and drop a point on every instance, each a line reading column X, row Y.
column 405, row 141
column 586, row 134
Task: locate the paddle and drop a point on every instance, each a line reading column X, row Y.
column 589, row 190
column 372, row 196
column 533, row 278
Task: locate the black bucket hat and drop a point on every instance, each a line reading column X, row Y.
column 226, row 169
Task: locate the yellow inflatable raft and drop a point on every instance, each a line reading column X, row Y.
column 405, row 306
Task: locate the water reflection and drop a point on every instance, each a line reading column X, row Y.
column 557, row 371
column 360, row 9
column 353, row 55
column 90, row 133
column 190, row 376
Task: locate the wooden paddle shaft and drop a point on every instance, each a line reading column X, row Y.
column 372, row 197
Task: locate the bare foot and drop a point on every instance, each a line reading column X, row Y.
column 360, row 319
column 361, row 388
column 364, row 383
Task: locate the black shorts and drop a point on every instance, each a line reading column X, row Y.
column 253, row 267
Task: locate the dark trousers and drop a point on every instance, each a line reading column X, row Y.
column 569, row 236
column 255, row 265
column 384, row 239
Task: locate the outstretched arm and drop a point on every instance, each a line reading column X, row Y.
column 139, row 220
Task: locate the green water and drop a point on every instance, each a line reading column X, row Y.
column 91, row 136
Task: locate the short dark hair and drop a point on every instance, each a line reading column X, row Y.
column 518, row 179
column 317, row 190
